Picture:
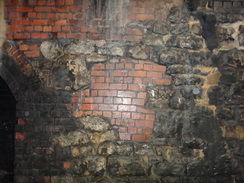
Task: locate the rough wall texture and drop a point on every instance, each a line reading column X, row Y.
column 126, row 91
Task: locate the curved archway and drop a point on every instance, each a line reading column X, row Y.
column 7, row 124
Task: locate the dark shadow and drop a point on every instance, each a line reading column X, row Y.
column 7, row 123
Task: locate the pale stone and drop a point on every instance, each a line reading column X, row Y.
column 51, row 50
column 102, row 137
column 79, row 47
column 116, row 51
column 95, row 57
column 94, row 123
column 72, row 138
column 138, row 53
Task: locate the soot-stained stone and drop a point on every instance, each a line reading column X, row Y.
column 94, row 123
column 185, row 41
column 161, row 28
column 172, row 56
column 178, row 14
column 138, row 52
column 165, row 169
column 187, row 79
column 70, row 73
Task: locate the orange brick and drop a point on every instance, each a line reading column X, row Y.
column 40, row 22
column 100, row 86
column 32, row 53
column 137, row 73
column 66, row 164
column 144, row 17
column 136, row 87
column 24, row 9
column 39, row 35
column 141, row 138
column 23, row 47
column 147, row 131
column 138, row 101
column 141, row 123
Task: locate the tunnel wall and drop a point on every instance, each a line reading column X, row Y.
column 126, row 91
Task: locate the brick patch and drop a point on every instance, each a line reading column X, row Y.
column 118, row 91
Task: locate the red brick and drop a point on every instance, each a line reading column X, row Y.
column 32, row 15
column 107, row 107
column 75, row 99
column 47, row 28
column 145, row 3
column 125, row 136
column 19, row 136
column 60, row 2
column 66, row 28
column 42, row 8
column 128, row 80
column 40, row 22
column 76, row 35
column 144, row 17
column 123, row 129
column 140, row 109
column 23, row 47
column 147, row 131
column 9, row 36
column 89, row 107
column 12, row 14
column 88, row 100
column 61, row 35
column 100, row 86
column 148, row 124
column 24, row 9
column 66, row 165
column 162, row 81
column 86, row 93
column 107, row 114
column 120, row 65
column 38, row 28
column 99, row 79
column 41, row 15
column 69, row 2
column 21, row 36
column 126, row 115
column 150, row 117
column 94, row 93
column 29, row 28
column 99, row 67
column 118, row 86
column 127, row 108
column 35, row 53
column 125, row 122
column 141, row 138
column 21, row 22
column 51, row 15
column 60, row 9
column 139, row 66
column 110, row 66
column 117, row 114
column 137, row 73
column 136, row 115
column 56, row 28
column 142, row 95
column 42, row 2
column 154, row 74
column 148, row 80
column 98, row 73
column 119, row 73
column 98, row 100
column 137, row 10
column 148, row 67
column 159, row 68
column 138, row 101
column 132, row 130
column 60, row 22
column 39, row 35
column 136, row 87
column 129, row 94
column 107, row 93
column 132, row 16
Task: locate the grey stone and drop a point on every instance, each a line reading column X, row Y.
column 165, row 168
column 241, row 39
column 79, row 47
column 187, row 79
column 153, row 40
column 116, row 50
column 161, row 28
column 105, row 136
column 179, row 69
column 94, row 123
column 196, row 28
column 73, row 138
column 95, row 57
column 51, row 50
column 138, row 52
column 178, row 14
column 172, row 56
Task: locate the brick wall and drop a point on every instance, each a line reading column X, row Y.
column 73, row 19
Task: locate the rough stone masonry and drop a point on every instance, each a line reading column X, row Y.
column 126, row 91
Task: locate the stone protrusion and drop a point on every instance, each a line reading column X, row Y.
column 51, row 50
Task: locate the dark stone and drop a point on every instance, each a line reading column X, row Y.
column 166, row 169
column 172, row 56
